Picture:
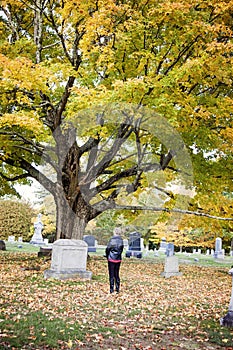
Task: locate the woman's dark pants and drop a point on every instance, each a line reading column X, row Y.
column 113, row 269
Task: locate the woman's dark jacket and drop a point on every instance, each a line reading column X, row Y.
column 114, row 248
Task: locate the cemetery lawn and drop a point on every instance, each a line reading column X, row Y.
column 150, row 313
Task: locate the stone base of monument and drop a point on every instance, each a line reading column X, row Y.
column 171, row 267
column 41, row 243
column 69, row 259
column 71, row 274
column 134, row 253
column 227, row 321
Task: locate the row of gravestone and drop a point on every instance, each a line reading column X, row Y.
column 134, row 245
column 69, row 259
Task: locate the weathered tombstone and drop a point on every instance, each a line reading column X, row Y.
column 20, row 239
column 218, row 254
column 142, row 244
column 207, row 252
column 156, row 252
column 125, row 243
column 171, row 267
column 146, row 252
column 69, row 260
column 163, row 245
column 37, row 236
column 134, row 248
column 11, row 239
column 2, row 245
column 170, row 249
column 90, row 240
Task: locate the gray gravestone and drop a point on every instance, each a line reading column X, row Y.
column 170, row 249
column 218, row 254
column 69, row 260
column 134, row 248
column 163, row 245
column 11, row 239
column 171, row 267
column 37, row 236
column 90, row 240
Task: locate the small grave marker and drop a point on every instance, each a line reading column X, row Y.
column 171, row 267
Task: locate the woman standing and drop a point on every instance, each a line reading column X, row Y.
column 113, row 252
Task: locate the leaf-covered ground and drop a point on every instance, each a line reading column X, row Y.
column 150, row 312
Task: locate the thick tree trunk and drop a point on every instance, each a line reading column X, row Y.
column 71, row 223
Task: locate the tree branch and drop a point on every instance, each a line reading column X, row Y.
column 167, row 210
column 15, row 178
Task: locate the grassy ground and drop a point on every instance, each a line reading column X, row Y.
column 22, row 247
column 150, row 312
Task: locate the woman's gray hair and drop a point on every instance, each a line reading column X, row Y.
column 117, row 231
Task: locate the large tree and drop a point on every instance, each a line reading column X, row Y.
column 117, row 97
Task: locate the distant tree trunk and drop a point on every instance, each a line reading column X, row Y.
column 38, row 25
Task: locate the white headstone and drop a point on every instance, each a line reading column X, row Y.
column 126, row 243
column 142, row 243
column 171, row 267
column 11, row 239
column 69, row 260
column 163, row 245
column 218, row 254
column 37, row 237
column 156, row 252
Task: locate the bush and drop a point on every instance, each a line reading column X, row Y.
column 15, row 219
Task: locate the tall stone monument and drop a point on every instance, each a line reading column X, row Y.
column 37, row 237
column 219, row 252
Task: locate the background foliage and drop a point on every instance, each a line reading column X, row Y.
column 16, row 219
